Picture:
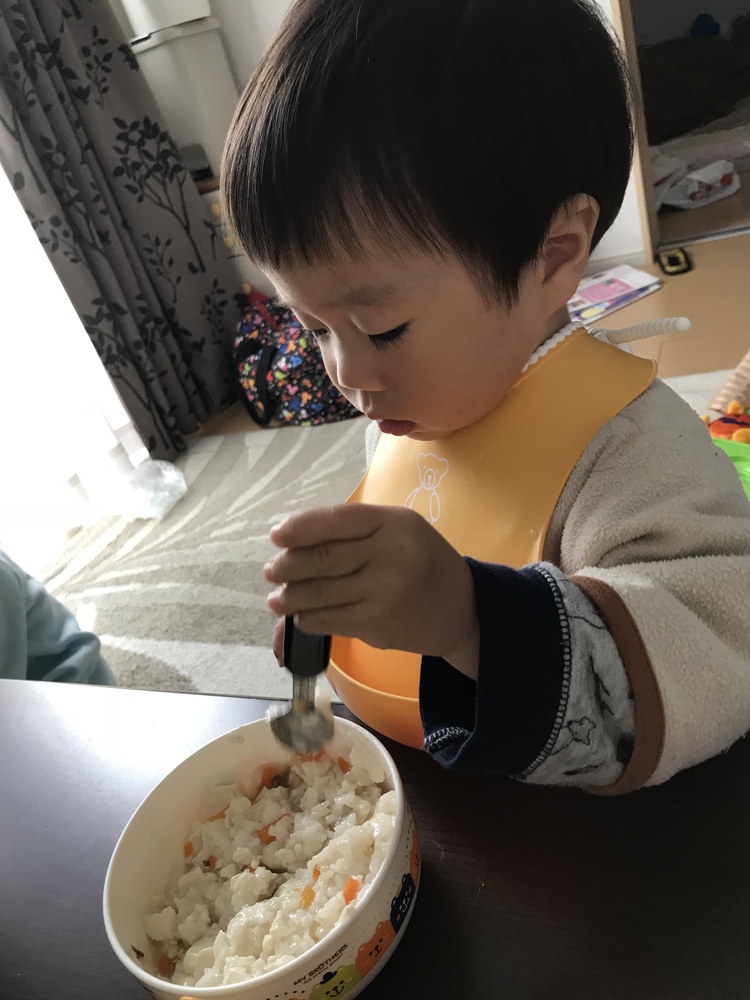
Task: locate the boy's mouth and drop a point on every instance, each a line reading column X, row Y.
column 398, row 428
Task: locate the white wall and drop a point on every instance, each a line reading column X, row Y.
column 626, row 242
column 119, row 11
column 247, row 27
column 657, row 20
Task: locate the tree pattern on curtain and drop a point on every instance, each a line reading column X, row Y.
column 114, row 205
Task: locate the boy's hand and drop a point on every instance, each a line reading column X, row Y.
column 380, row 574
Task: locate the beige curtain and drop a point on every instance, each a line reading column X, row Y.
column 113, row 204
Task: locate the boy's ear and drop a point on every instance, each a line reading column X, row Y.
column 567, row 246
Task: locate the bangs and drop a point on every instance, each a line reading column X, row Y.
column 315, row 163
column 426, row 124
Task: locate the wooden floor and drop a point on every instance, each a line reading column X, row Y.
column 677, row 226
column 235, row 420
column 715, row 296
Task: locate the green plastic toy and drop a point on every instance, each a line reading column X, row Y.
column 740, row 455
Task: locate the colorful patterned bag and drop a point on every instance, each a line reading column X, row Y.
column 281, row 371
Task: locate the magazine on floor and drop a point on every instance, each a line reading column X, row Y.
column 600, row 294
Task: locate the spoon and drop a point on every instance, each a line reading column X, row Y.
column 303, row 728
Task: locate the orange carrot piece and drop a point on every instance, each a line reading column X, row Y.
column 210, row 861
column 220, row 815
column 316, row 873
column 308, row 895
column 264, row 834
column 188, row 849
column 351, row 888
column 344, row 765
column 166, row 966
column 267, row 774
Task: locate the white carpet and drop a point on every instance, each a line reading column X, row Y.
column 698, row 390
column 180, row 604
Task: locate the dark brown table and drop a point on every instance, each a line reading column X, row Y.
column 526, row 892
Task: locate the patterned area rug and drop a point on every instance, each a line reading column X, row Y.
column 179, row 604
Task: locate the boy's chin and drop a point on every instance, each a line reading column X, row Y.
column 420, row 434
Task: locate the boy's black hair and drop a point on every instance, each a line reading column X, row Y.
column 459, row 125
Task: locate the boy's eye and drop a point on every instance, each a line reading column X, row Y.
column 382, row 341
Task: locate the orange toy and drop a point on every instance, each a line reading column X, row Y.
column 734, row 426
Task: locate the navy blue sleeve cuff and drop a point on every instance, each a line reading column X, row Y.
column 502, row 721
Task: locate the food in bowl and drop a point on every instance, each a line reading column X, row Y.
column 268, row 877
column 151, row 854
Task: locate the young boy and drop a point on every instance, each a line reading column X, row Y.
column 424, row 182
column 39, row 638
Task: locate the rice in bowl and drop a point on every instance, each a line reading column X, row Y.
column 270, row 876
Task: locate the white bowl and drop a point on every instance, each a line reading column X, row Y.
column 149, row 855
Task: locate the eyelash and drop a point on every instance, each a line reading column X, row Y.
column 380, row 341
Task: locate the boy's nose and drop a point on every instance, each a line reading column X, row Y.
column 355, row 370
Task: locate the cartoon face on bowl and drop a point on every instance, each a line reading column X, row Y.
column 372, row 951
column 401, row 903
column 336, row 984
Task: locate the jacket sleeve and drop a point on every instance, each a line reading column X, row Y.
column 551, row 703
column 654, row 527
column 40, row 638
column 649, row 545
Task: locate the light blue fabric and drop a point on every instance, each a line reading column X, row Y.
column 39, row 638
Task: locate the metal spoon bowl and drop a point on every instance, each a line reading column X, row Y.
column 303, row 727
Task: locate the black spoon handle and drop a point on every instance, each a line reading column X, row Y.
column 305, row 655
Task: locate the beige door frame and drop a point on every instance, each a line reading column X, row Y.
column 622, row 16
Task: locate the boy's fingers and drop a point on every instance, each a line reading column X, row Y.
column 319, row 593
column 328, row 524
column 328, row 559
column 344, row 621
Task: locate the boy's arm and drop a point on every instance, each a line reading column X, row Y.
column 653, row 529
column 666, row 559
column 551, row 703
column 39, row 638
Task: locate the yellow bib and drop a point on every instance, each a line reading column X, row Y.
column 490, row 489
